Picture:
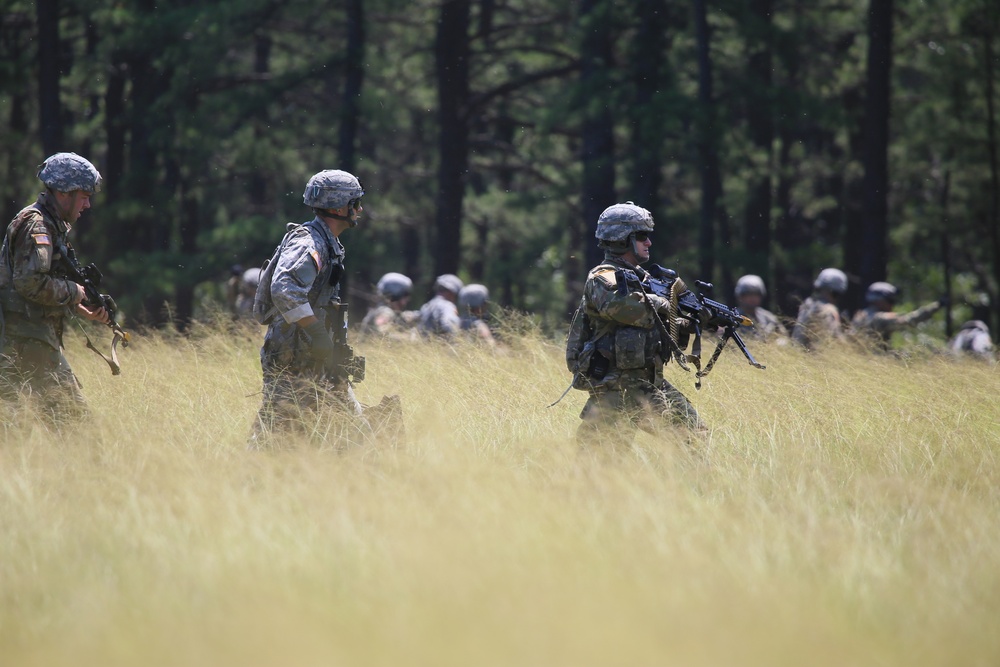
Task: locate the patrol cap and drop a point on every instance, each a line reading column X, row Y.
column 394, row 286
column 834, row 280
column 66, row 172
column 750, row 283
column 618, row 221
column 449, row 282
column 332, row 188
column 473, row 296
column 881, row 290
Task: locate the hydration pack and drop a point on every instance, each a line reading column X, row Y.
column 263, row 307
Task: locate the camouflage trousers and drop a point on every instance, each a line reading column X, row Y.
column 39, row 374
column 322, row 410
column 617, row 413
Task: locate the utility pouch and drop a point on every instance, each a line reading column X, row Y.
column 630, row 347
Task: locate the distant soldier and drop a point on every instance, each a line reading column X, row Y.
column 617, row 346
column 875, row 324
column 36, row 297
column 390, row 317
column 233, row 288
column 439, row 316
column 973, row 339
column 472, row 308
column 819, row 319
column 247, row 288
column 750, row 293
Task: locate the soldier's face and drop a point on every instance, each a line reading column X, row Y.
column 640, row 246
column 72, row 204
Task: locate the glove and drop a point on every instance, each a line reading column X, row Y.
column 321, row 349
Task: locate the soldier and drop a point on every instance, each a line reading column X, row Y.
column 819, row 320
column 439, row 316
column 390, row 317
column 246, row 290
column 875, row 323
column 472, row 307
column 750, row 293
column 617, row 346
column 973, row 339
column 299, row 297
column 35, row 295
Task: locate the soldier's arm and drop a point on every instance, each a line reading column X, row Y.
column 633, row 308
column 915, row 317
column 31, row 256
column 298, row 266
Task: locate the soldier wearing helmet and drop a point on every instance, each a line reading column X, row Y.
column 390, row 317
column 472, row 309
column 750, row 293
column 819, row 319
column 874, row 325
column 36, row 297
column 439, row 316
column 302, row 298
column 617, row 353
column 973, row 339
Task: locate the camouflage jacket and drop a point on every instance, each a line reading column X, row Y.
column 34, row 297
column 439, row 316
column 974, row 340
column 383, row 320
column 306, row 281
column 626, row 330
column 765, row 324
column 818, row 321
column 877, row 326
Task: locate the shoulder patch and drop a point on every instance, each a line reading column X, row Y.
column 315, row 255
column 42, row 239
column 607, row 277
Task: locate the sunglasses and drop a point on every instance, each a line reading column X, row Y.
column 641, row 237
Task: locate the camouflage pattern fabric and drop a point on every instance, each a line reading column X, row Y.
column 632, row 392
column 301, row 287
column 818, row 322
column 35, row 304
column 875, row 327
column 439, row 317
column 974, row 339
column 382, row 320
column 477, row 329
column 765, row 324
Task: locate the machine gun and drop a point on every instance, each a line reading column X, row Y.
column 700, row 311
column 349, row 366
column 89, row 277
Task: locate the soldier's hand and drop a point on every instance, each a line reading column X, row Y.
column 321, row 345
column 93, row 314
column 80, row 295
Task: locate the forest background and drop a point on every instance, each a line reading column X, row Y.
column 774, row 137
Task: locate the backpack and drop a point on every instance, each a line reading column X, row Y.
column 263, row 307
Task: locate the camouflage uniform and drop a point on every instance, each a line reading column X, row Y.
column 876, row 326
column 818, row 321
column 305, row 282
column 973, row 338
column 632, row 392
column 765, row 324
column 439, row 316
column 35, row 298
column 384, row 319
column 245, row 291
column 472, row 304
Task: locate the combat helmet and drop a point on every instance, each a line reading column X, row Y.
column 834, row 280
column 66, row 172
column 394, row 286
column 449, row 282
column 473, row 296
column 881, row 290
column 618, row 222
column 332, row 188
column 750, row 283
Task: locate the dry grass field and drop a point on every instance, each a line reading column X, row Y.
column 843, row 510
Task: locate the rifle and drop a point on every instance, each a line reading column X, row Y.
column 700, row 311
column 89, row 277
column 348, row 366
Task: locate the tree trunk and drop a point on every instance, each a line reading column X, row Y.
column 598, row 144
column 991, row 133
column 350, row 110
column 648, row 126
column 49, row 105
column 451, row 49
column 708, row 156
column 757, row 222
column 874, row 217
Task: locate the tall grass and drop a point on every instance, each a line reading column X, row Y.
column 844, row 509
